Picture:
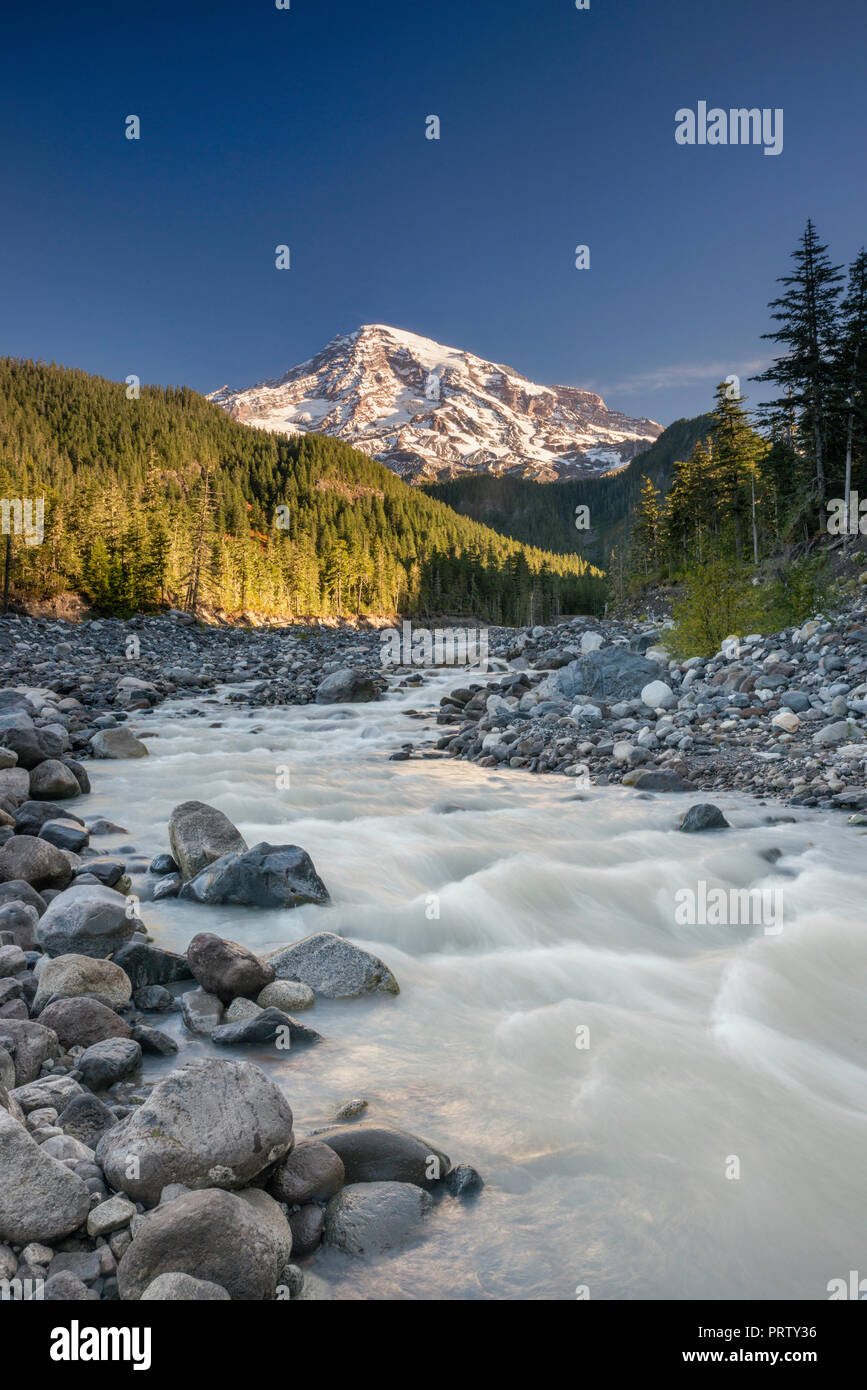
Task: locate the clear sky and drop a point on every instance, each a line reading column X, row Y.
column 306, row 127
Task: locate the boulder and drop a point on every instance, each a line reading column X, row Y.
column 151, row 965
column 36, row 861
column 348, row 686
column 288, row 995
column 82, row 1021
column 703, row 817
column 611, row 673
column 53, row 780
column 660, row 779
column 333, row 967
column 211, row 1235
column 226, row 969
column 40, row 1198
column 201, row 1012
column 266, row 1026
column 658, row 694
column 32, row 815
column 183, row 1288
column 199, row 834
column 32, row 1044
column 87, row 1118
column 264, row 876
column 210, row 1123
column 371, row 1218
column 53, row 1091
column 117, row 743
column 306, row 1225
column 65, row 834
column 372, row 1154
column 312, row 1172
column 104, row 1063
column 88, row 920
column 20, row 920
column 66, row 977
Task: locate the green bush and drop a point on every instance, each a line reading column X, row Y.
column 719, row 600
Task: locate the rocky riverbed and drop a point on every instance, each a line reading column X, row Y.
column 145, row 1019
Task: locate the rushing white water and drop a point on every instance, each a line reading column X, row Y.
column 606, row 1166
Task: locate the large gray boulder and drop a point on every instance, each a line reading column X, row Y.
column 117, row 743
column 183, row 1288
column 211, row 1235
column 348, row 686
column 53, row 780
column 225, row 968
column 40, row 1198
column 264, row 876
column 372, row 1154
column 370, row 1218
column 32, row 1044
column 333, row 967
column 36, row 861
column 82, row 1021
column 104, row 1063
column 66, row 977
column 210, row 1123
column 199, row 834
column 88, row 919
column 610, row 674
column 312, row 1172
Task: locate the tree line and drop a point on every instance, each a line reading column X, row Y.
column 164, row 500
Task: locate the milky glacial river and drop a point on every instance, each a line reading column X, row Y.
column 606, row 1166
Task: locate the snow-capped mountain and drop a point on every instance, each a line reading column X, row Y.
column 431, row 412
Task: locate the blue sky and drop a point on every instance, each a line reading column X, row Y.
column 307, row 127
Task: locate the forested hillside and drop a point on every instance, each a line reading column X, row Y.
column 544, row 514
column 165, row 499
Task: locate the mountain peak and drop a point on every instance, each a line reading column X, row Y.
column 432, row 412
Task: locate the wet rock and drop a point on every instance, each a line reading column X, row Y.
column 348, row 686
column 313, row 1171
column 703, row 817
column 266, row 1026
column 209, row 1123
column 199, row 834
column 463, row 1180
column 288, row 995
column 333, row 967
column 65, row 834
column 371, row 1218
column 154, row 999
column 307, row 1225
column 201, row 1012
column 117, row 743
column 153, row 1041
column 373, row 1154
column 151, row 965
column 52, row 780
column 264, row 876
column 225, row 968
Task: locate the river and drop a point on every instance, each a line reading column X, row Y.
column 658, row 1110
